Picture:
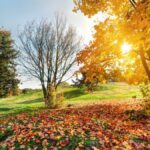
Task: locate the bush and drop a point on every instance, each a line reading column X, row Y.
column 60, row 99
column 28, row 90
column 145, row 90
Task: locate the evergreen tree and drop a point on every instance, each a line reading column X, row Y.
column 8, row 80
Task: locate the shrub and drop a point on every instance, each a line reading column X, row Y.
column 145, row 90
column 28, row 90
column 60, row 99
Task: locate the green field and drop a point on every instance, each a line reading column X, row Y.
column 32, row 101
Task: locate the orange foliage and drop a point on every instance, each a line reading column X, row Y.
column 101, row 126
column 128, row 21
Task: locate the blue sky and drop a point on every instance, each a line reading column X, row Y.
column 14, row 14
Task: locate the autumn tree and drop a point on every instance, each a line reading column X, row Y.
column 8, row 75
column 49, row 50
column 99, row 60
column 81, row 80
column 137, row 25
column 132, row 20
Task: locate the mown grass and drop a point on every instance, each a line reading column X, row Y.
column 33, row 101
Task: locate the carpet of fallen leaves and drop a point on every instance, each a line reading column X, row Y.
column 103, row 126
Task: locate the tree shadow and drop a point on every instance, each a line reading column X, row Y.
column 28, row 110
column 31, row 101
column 5, row 109
column 74, row 93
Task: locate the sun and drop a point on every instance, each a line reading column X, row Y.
column 126, row 48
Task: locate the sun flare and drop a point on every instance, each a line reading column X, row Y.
column 126, row 48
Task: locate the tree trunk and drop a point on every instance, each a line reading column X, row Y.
column 145, row 64
column 51, row 96
column 44, row 93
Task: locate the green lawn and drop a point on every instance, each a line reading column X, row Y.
column 32, row 101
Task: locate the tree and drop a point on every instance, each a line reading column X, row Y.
column 8, row 75
column 49, row 51
column 132, row 20
column 138, row 24
column 81, row 80
column 98, row 60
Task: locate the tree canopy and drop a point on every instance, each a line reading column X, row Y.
column 49, row 51
column 128, row 21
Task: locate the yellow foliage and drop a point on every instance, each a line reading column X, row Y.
column 131, row 24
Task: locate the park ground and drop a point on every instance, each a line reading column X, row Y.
column 109, row 118
column 73, row 96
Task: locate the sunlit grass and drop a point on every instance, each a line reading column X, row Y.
column 31, row 101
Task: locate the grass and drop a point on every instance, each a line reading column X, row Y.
column 33, row 101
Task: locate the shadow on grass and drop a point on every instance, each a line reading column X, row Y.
column 32, row 101
column 27, row 110
column 104, row 87
column 5, row 109
column 74, row 93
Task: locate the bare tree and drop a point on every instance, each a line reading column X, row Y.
column 48, row 51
